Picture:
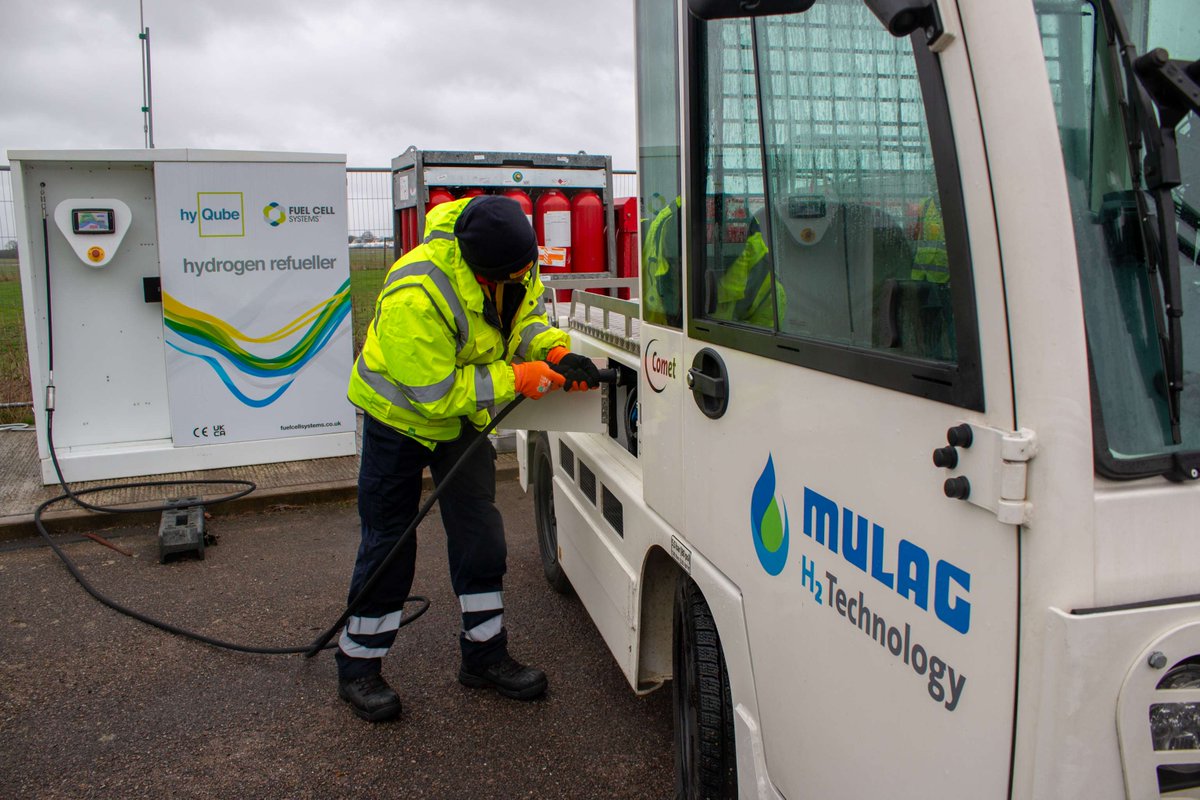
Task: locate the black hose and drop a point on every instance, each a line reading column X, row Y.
column 605, row 376
column 248, row 486
column 75, row 496
column 321, row 641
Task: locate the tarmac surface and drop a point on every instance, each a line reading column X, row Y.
column 94, row 704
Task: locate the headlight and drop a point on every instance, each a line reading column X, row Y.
column 1176, row 726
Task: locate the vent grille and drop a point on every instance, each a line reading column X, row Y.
column 614, row 512
column 587, row 482
column 567, row 458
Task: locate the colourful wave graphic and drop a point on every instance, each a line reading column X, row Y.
column 770, row 529
column 207, row 337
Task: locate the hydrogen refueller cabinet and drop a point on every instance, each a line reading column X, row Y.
column 190, row 309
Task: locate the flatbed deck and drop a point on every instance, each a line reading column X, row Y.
column 610, row 319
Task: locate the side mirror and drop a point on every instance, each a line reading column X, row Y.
column 727, row 9
column 902, row 17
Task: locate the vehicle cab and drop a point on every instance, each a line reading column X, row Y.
column 910, row 511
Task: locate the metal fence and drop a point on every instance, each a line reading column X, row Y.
column 14, row 368
column 368, row 201
column 369, row 211
column 8, row 223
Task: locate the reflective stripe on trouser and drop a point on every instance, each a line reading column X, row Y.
column 389, row 494
column 482, row 616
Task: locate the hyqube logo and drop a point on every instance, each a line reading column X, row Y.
column 769, row 527
column 221, row 214
column 274, row 215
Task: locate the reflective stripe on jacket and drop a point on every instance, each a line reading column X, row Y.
column 931, row 263
column 431, row 356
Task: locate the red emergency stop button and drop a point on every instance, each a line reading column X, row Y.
column 95, row 254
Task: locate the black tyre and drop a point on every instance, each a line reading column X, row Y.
column 705, row 757
column 547, row 526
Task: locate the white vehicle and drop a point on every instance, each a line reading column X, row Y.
column 969, row 388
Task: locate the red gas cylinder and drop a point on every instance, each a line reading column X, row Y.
column 552, row 224
column 587, row 234
column 414, row 228
column 474, row 191
column 402, row 230
column 437, row 196
column 627, row 240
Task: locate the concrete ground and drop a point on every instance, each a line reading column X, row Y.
column 94, row 704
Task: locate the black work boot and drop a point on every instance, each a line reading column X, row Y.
column 507, row 676
column 370, row 697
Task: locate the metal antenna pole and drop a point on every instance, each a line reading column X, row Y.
column 147, row 94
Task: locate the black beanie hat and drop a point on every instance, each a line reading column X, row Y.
column 495, row 237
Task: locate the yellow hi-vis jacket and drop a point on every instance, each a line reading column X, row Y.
column 930, row 263
column 745, row 288
column 660, row 286
column 742, row 291
column 434, row 353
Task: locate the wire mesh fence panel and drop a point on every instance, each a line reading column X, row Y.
column 8, row 225
column 369, row 205
column 14, row 365
column 625, row 183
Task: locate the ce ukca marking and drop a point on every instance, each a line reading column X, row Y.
column 208, row 431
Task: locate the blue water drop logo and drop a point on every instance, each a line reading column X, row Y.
column 770, row 527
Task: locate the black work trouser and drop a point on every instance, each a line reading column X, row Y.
column 389, row 494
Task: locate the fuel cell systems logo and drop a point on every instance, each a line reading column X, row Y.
column 274, row 215
column 769, row 527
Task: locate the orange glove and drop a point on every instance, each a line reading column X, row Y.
column 535, row 378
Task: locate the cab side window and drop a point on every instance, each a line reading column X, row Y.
column 826, row 237
column 660, row 203
column 738, row 283
column 856, row 226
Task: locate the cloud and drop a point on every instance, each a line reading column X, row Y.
column 365, row 78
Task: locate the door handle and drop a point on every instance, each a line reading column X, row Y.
column 709, row 381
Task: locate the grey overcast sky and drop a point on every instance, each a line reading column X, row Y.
column 366, row 78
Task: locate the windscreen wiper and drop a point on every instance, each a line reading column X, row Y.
column 1174, row 88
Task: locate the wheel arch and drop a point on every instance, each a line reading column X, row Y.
column 725, row 601
column 656, row 608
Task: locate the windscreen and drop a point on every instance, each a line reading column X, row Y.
column 1101, row 123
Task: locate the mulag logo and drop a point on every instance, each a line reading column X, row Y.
column 770, row 529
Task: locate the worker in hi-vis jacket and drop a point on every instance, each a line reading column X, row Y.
column 459, row 329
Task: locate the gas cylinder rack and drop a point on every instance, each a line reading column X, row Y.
column 567, row 198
